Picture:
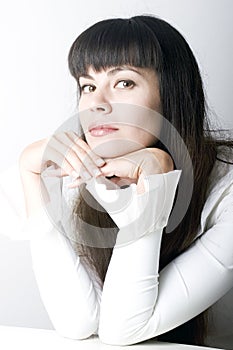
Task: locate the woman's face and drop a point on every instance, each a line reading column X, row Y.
column 119, row 109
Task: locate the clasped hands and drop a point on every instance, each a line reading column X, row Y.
column 71, row 155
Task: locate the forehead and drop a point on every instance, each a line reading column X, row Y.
column 114, row 70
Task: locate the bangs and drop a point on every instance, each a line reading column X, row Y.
column 114, row 42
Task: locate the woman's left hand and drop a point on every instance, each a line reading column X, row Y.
column 133, row 167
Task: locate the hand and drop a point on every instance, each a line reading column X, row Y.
column 147, row 160
column 68, row 152
column 133, row 167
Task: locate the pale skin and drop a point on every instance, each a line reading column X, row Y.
column 103, row 95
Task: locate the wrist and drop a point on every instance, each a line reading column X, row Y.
column 160, row 162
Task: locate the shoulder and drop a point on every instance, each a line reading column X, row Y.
column 219, row 193
column 222, row 172
column 221, row 176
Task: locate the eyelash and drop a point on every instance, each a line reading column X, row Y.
column 126, row 81
column 132, row 84
column 86, row 85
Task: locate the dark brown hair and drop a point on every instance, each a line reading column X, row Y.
column 147, row 41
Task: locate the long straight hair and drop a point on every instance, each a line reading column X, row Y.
column 149, row 42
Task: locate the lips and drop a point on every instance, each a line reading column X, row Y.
column 101, row 129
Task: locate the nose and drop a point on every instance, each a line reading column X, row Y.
column 100, row 102
column 103, row 108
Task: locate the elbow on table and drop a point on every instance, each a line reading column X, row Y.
column 77, row 331
column 76, row 334
column 114, row 339
column 120, row 336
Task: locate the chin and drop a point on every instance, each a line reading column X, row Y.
column 116, row 148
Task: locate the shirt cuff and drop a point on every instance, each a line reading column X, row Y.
column 136, row 214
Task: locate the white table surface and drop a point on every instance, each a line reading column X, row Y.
column 34, row 339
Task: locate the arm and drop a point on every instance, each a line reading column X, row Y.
column 67, row 289
column 11, row 204
column 68, row 292
column 138, row 304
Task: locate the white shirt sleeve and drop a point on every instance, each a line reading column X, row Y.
column 139, row 304
column 69, row 292
column 66, row 288
column 12, row 204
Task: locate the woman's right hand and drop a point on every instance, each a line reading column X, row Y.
column 67, row 152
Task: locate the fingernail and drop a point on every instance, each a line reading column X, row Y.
column 86, row 175
column 100, row 162
column 96, row 172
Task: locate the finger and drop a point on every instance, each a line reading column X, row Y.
column 60, row 160
column 76, row 183
column 65, row 157
column 121, row 167
column 72, row 169
column 81, row 143
column 75, row 155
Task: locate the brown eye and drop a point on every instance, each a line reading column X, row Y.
column 86, row 89
column 124, row 84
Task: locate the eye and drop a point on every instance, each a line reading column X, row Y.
column 87, row 88
column 125, row 84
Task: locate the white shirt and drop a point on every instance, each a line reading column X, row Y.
column 137, row 302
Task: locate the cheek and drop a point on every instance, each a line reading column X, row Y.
column 153, row 103
column 85, row 119
column 82, row 104
column 141, row 136
column 146, row 127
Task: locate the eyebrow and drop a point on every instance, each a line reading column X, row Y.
column 112, row 72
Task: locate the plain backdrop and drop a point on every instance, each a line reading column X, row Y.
column 37, row 94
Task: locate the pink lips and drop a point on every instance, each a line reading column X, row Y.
column 102, row 130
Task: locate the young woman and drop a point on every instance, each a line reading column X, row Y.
column 102, row 257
